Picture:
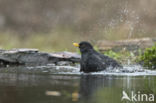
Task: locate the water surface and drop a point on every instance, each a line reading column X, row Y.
column 71, row 88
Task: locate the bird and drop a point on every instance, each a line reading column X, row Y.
column 93, row 61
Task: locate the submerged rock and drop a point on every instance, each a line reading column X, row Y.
column 35, row 57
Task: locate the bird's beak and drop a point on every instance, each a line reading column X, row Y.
column 76, row 44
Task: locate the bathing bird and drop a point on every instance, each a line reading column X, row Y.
column 93, row 61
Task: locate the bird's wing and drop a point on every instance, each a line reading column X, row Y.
column 97, row 60
column 110, row 61
column 102, row 59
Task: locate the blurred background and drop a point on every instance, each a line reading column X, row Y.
column 53, row 25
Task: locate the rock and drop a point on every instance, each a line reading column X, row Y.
column 25, row 50
column 34, row 57
column 64, row 63
column 66, row 55
column 129, row 44
column 1, row 50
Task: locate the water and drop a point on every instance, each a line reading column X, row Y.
column 71, row 86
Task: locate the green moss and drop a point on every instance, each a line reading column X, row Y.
column 149, row 57
column 113, row 54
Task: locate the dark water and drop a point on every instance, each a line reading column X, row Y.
column 83, row 88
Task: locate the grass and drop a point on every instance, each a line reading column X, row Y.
column 53, row 41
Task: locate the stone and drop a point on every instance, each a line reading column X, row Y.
column 129, row 44
column 35, row 57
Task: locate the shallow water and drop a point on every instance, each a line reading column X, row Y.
column 68, row 85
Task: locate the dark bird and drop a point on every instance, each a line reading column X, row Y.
column 92, row 61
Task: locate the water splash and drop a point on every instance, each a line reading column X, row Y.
column 127, row 70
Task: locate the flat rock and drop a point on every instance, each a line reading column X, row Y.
column 34, row 57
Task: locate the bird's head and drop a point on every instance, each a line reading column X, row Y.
column 84, row 46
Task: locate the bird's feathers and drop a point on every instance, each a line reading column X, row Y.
column 92, row 61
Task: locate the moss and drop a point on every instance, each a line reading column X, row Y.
column 149, row 58
column 113, row 54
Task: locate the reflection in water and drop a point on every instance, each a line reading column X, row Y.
column 89, row 84
column 22, row 88
column 108, row 89
column 8, row 94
